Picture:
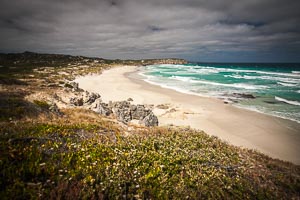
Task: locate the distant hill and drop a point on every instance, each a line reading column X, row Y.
column 33, row 59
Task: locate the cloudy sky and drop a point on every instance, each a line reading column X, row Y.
column 197, row 30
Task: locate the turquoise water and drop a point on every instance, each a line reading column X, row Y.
column 276, row 87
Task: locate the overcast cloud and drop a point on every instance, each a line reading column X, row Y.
column 198, row 30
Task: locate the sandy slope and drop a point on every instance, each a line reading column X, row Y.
column 276, row 137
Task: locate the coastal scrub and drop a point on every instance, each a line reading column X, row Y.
column 92, row 162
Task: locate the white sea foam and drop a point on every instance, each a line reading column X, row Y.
column 279, row 74
column 234, row 85
column 182, row 78
column 285, row 116
column 187, row 91
column 172, row 88
column 255, row 71
column 298, row 91
column 264, row 111
column 207, row 70
column 296, row 103
column 272, row 78
column 287, row 84
column 204, row 70
column 282, row 79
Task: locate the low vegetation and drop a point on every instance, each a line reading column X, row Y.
column 42, row 104
column 78, row 154
column 93, row 161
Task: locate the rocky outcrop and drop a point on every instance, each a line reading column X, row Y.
column 101, row 108
column 243, row 96
column 150, row 120
column 84, row 99
column 76, row 101
column 72, row 85
column 236, row 97
column 162, row 106
column 124, row 111
column 139, row 112
column 54, row 109
column 90, row 98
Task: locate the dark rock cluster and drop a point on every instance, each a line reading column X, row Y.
column 124, row 111
column 101, row 108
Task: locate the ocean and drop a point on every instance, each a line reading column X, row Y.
column 273, row 89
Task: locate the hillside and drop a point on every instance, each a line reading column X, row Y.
column 61, row 151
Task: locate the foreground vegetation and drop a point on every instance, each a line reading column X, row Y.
column 77, row 154
column 95, row 161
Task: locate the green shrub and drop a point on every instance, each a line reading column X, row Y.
column 67, row 85
column 42, row 104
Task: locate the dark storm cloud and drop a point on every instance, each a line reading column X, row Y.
column 228, row 30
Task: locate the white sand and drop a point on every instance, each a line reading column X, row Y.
column 273, row 136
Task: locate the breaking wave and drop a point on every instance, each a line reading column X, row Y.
column 287, row 84
column 234, row 85
column 296, row 103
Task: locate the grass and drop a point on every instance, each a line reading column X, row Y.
column 92, row 161
column 42, row 104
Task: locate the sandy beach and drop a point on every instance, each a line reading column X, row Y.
column 276, row 137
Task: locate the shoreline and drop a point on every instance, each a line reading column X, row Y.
column 276, row 137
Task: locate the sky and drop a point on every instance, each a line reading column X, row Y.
column 196, row 30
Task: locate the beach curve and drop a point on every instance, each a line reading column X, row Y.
column 276, row 137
